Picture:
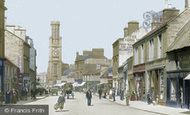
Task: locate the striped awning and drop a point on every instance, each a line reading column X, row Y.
column 188, row 77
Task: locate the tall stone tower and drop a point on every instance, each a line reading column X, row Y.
column 186, row 4
column 55, row 54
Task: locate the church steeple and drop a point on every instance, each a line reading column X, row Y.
column 55, row 29
column 186, row 4
column 166, row 4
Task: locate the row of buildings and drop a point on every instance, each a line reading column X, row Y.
column 91, row 67
column 87, row 69
column 17, row 57
column 155, row 61
column 144, row 61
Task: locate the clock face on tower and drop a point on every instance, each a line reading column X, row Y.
column 55, row 52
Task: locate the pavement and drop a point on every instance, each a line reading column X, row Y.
column 136, row 105
column 22, row 102
column 78, row 106
column 160, row 109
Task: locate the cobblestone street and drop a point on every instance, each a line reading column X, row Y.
column 78, row 106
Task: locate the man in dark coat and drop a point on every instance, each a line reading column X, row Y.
column 1, row 97
column 113, row 94
column 8, row 97
column 100, row 93
column 89, row 97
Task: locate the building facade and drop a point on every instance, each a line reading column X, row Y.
column 2, row 40
column 42, row 78
column 55, row 54
column 88, row 66
column 178, row 70
column 32, row 63
column 19, row 55
column 115, row 59
column 151, row 49
column 12, row 73
column 122, row 50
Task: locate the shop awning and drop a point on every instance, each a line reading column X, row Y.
column 59, row 85
column 188, row 77
column 82, row 84
column 78, row 85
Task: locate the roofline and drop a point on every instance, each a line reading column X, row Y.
column 117, row 41
column 165, row 24
column 151, row 33
column 14, row 35
column 169, row 49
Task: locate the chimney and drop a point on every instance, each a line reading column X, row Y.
column 155, row 24
column 169, row 13
column 186, row 4
column 132, row 27
column 125, row 32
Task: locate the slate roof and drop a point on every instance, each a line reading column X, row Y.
column 182, row 39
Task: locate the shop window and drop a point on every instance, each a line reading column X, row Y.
column 173, row 90
column 159, row 46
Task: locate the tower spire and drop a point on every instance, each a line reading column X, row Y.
column 166, row 3
column 186, row 4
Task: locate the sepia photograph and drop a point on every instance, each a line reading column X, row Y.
column 94, row 57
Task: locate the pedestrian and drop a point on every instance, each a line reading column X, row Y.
column 113, row 94
column 1, row 97
column 100, row 93
column 22, row 94
column 25, row 93
column 110, row 94
column 89, row 97
column 149, row 97
column 60, row 102
column 105, row 95
column 121, row 94
column 8, row 97
column 33, row 94
column 14, row 96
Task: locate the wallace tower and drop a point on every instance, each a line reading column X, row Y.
column 55, row 54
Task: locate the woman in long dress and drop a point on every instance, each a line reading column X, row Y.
column 60, row 102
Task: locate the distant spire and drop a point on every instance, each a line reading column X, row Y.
column 186, row 4
column 166, row 3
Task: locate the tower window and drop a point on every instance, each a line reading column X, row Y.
column 55, row 68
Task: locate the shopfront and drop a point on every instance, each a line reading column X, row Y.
column 178, row 89
column 2, row 74
column 156, row 85
column 139, row 78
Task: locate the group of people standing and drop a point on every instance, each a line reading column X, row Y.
column 10, row 97
column 111, row 93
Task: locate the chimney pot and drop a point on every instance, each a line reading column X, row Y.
column 170, row 13
column 132, row 27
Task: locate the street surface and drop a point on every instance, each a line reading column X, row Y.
column 78, row 106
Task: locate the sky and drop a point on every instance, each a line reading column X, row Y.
column 85, row 24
